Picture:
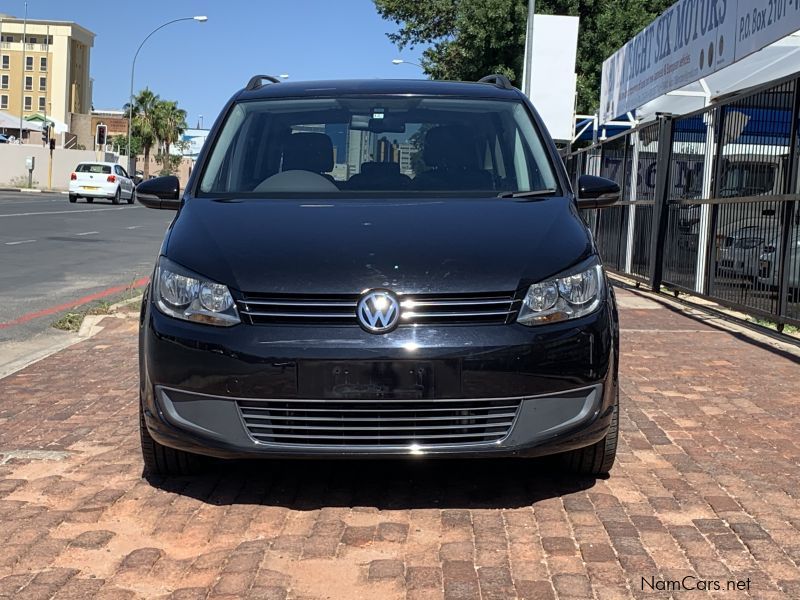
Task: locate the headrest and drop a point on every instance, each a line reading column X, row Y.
column 308, row 151
column 450, row 147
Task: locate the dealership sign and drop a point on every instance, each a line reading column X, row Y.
column 690, row 40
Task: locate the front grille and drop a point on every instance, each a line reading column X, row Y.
column 427, row 309
column 379, row 422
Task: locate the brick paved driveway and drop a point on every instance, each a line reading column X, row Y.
column 707, row 484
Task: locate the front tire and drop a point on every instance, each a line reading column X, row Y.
column 131, row 197
column 117, row 196
column 596, row 460
column 73, row 198
column 162, row 460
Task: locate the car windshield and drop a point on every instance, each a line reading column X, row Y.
column 410, row 145
column 87, row 168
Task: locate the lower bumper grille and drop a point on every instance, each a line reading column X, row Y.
column 379, row 422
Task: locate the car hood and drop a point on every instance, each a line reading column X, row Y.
column 409, row 246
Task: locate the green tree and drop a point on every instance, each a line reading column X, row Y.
column 143, row 113
column 121, row 142
column 467, row 39
column 170, row 124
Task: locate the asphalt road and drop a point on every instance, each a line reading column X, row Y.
column 53, row 253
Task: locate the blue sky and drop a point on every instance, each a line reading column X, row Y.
column 201, row 64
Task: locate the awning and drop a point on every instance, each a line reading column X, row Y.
column 773, row 62
column 8, row 121
column 58, row 126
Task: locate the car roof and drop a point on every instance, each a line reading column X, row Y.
column 354, row 87
column 98, row 162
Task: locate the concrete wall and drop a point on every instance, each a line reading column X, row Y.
column 12, row 164
column 81, row 125
column 184, row 169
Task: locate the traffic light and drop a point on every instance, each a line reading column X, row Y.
column 101, row 134
column 46, row 133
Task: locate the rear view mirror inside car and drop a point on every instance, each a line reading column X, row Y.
column 378, row 122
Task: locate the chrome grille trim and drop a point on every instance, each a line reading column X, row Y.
column 429, row 309
column 378, row 423
column 415, row 315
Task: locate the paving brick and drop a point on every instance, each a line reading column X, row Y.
column 358, row 536
column 392, row 532
column 92, row 539
column 423, row 578
column 705, row 483
column 386, row 569
column 559, row 545
column 535, row 590
column 597, row 553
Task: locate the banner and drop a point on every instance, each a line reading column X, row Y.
column 690, row 40
column 762, row 22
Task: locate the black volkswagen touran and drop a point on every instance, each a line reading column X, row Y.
column 383, row 269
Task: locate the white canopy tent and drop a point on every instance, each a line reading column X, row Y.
column 8, row 121
column 772, row 62
column 38, row 118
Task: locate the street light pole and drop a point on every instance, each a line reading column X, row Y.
column 527, row 68
column 199, row 19
column 22, row 87
column 400, row 61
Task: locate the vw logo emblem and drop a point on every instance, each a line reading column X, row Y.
column 378, row 311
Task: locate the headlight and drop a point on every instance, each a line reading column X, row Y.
column 185, row 295
column 561, row 298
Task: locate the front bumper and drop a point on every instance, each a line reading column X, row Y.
column 195, row 380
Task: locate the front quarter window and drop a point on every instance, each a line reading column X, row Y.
column 377, row 145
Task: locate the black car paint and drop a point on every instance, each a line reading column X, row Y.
column 412, row 245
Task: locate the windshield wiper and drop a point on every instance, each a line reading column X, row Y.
column 528, row 194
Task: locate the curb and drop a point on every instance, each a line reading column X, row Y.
column 123, row 303
column 32, row 190
column 722, row 320
column 90, row 327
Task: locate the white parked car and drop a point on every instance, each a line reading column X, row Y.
column 740, row 245
column 768, row 263
column 92, row 180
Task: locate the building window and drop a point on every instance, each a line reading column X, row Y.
column 28, row 83
column 3, row 101
column 42, row 84
column 6, row 38
column 42, row 101
column 4, row 82
column 28, row 103
column 43, row 63
column 29, row 63
column 5, row 61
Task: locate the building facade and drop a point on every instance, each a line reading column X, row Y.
column 48, row 71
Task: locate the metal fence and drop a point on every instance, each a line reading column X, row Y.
column 709, row 201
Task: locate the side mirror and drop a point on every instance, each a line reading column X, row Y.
column 160, row 192
column 596, row 192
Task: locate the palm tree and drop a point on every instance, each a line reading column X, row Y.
column 144, row 122
column 170, row 123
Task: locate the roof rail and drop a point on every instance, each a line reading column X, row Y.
column 256, row 81
column 500, row 81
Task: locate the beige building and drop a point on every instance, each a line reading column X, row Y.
column 48, row 72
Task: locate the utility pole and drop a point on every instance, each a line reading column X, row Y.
column 46, row 124
column 527, row 69
column 22, row 86
column 47, row 58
